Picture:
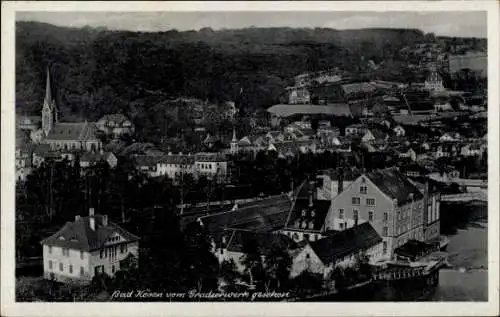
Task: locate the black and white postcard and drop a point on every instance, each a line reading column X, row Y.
column 240, row 158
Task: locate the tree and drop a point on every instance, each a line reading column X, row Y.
column 307, row 282
column 203, row 265
column 229, row 274
column 278, row 263
column 252, row 260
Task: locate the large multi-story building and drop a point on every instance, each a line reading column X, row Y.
column 86, row 247
column 393, row 205
column 175, row 166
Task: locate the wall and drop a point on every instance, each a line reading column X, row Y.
column 307, row 259
column 108, row 261
column 57, row 257
column 382, row 205
column 298, row 235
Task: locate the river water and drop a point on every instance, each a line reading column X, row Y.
column 467, row 250
column 466, row 226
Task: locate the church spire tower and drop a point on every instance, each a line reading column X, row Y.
column 234, row 142
column 49, row 111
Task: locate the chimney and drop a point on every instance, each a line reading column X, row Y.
column 340, row 177
column 91, row 219
column 311, row 195
column 77, row 217
column 92, row 223
column 104, row 220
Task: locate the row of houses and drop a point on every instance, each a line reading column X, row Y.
column 373, row 213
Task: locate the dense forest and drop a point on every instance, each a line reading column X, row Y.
column 97, row 71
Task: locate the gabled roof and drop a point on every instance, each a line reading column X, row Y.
column 355, row 88
column 82, row 131
column 209, row 157
column 395, row 185
column 283, row 110
column 313, row 217
column 264, row 240
column 94, row 157
column 79, row 236
column 264, row 215
column 177, row 159
column 146, row 160
column 117, row 118
column 347, row 242
column 378, row 134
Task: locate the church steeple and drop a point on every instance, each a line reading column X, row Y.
column 234, row 142
column 49, row 111
column 48, row 89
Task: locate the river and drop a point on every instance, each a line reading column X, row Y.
column 467, row 249
column 466, row 226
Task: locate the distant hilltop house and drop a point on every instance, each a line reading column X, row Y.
column 86, row 247
column 475, row 62
column 115, row 125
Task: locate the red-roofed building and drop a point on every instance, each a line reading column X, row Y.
column 86, row 247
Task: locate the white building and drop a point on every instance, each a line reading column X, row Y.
column 338, row 249
column 86, row 247
column 212, row 165
column 394, row 206
column 176, row 165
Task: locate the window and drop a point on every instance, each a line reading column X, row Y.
column 384, row 247
column 370, row 216
column 303, row 212
column 50, row 265
column 385, row 232
column 341, row 226
column 362, row 189
column 71, row 269
column 341, row 213
column 81, row 255
column 307, row 256
column 355, row 215
column 122, row 248
column 82, row 271
column 306, row 237
column 61, row 267
column 112, row 269
column 386, row 216
column 106, row 252
column 50, row 249
column 370, row 201
column 355, row 200
column 65, row 251
column 311, row 225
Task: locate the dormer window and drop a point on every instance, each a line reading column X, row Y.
column 61, row 238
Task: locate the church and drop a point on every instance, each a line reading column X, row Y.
column 65, row 135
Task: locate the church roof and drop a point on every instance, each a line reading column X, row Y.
column 81, row 131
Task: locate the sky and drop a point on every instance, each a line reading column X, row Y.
column 462, row 24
